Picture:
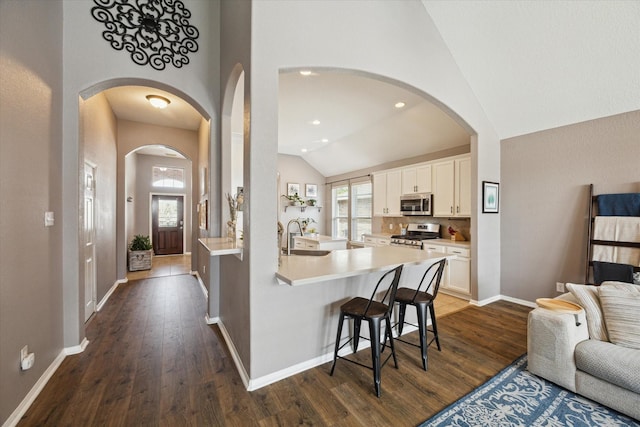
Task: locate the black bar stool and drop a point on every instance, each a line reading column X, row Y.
column 374, row 311
column 422, row 298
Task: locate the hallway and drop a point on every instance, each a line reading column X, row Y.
column 164, row 265
column 153, row 360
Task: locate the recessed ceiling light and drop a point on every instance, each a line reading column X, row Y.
column 304, row 150
column 158, row 101
column 325, row 140
column 400, row 104
column 315, row 122
column 306, row 72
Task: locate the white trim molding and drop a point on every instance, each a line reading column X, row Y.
column 104, row 299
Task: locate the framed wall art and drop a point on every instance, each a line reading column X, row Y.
column 293, row 189
column 311, row 190
column 490, row 197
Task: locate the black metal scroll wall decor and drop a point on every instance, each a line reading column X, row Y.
column 154, row 32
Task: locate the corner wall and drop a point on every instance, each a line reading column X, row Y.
column 544, row 198
column 99, row 131
column 31, row 306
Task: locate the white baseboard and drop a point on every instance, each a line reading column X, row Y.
column 519, row 301
column 234, row 355
column 202, row 286
column 76, row 349
column 211, row 320
column 31, row 396
column 104, row 299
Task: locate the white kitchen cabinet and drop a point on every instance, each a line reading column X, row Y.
column 416, row 179
column 452, row 188
column 456, row 278
column 370, row 241
column 459, row 271
column 322, row 243
column 387, row 188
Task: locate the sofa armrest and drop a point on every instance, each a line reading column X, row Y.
column 551, row 340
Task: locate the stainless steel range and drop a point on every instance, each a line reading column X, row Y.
column 416, row 233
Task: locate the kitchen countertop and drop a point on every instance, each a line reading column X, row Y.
column 301, row 270
column 448, row 242
column 379, row 235
column 221, row 246
column 320, row 238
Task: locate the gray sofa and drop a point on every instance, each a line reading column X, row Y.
column 564, row 353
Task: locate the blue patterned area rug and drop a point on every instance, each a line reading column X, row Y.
column 515, row 397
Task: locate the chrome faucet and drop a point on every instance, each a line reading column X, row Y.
column 288, row 236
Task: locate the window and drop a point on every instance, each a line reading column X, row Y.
column 167, row 177
column 351, row 210
column 360, row 209
column 340, row 215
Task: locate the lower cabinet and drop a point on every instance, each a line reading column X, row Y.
column 324, row 245
column 457, row 274
column 370, row 241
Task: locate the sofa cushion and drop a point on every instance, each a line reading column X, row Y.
column 588, row 299
column 610, row 362
column 621, row 307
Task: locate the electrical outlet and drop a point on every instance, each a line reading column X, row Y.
column 559, row 286
column 390, row 226
column 24, row 352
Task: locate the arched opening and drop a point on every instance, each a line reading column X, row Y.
column 127, row 141
column 232, row 150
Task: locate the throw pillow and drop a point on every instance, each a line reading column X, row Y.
column 621, row 307
column 587, row 297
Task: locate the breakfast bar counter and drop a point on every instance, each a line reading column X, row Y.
column 303, row 269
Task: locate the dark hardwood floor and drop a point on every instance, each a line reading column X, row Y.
column 153, row 361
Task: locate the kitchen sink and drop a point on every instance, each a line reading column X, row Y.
column 306, row 252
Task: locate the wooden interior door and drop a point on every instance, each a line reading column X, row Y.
column 167, row 217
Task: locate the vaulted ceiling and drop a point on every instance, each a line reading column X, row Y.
column 533, row 65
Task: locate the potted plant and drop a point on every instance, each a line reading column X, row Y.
column 294, row 199
column 311, row 202
column 140, row 253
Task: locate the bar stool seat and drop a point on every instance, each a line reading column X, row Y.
column 373, row 311
column 422, row 299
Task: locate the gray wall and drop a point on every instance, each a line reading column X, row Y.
column 296, row 169
column 31, row 307
column 544, row 198
column 99, row 131
column 144, row 189
column 235, row 56
column 361, row 36
column 133, row 135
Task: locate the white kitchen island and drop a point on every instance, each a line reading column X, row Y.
column 303, row 269
column 319, row 242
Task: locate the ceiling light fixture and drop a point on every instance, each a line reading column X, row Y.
column 158, row 101
column 304, row 150
column 325, row 140
column 306, row 72
column 400, row 104
column 315, row 122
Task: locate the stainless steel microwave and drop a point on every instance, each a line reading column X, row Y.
column 416, row 204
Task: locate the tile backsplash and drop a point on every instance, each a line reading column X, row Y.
column 391, row 225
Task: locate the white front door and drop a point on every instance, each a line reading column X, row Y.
column 89, row 234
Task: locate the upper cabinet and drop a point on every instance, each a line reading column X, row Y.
column 449, row 181
column 416, row 179
column 387, row 188
column 452, row 188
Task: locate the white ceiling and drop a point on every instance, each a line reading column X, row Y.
column 533, row 65
column 536, row 65
column 359, row 122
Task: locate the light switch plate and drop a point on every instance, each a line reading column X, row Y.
column 49, row 219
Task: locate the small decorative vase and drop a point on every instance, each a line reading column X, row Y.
column 231, row 230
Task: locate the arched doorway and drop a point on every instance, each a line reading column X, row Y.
column 116, row 120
